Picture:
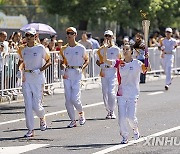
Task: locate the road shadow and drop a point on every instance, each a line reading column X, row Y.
column 9, row 113
column 84, row 146
column 10, row 138
column 57, row 128
column 146, row 91
column 22, row 138
column 95, row 119
column 19, row 130
column 6, row 107
column 62, row 120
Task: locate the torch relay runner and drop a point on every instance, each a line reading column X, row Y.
column 31, row 64
column 128, row 91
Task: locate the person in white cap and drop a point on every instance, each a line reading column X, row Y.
column 31, row 65
column 168, row 46
column 108, row 73
column 74, row 60
column 129, row 71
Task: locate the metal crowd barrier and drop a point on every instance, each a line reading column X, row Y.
column 10, row 84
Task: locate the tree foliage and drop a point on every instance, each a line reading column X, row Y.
column 96, row 13
column 126, row 12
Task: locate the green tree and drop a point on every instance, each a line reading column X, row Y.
column 79, row 12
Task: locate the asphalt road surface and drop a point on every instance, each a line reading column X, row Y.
column 158, row 114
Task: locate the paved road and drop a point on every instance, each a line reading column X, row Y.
column 158, row 110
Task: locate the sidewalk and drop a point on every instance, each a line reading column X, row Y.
column 86, row 85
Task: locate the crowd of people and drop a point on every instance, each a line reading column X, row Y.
column 123, row 62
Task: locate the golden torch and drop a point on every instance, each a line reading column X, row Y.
column 145, row 25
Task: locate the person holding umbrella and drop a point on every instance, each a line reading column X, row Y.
column 31, row 63
column 74, row 60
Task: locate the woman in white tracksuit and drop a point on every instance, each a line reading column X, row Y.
column 128, row 91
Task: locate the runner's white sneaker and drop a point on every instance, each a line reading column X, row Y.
column 124, row 140
column 43, row 125
column 30, row 133
column 108, row 115
column 113, row 116
column 82, row 119
column 136, row 135
column 72, row 124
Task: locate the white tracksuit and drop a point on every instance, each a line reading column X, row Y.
column 32, row 87
column 75, row 57
column 130, row 77
column 109, row 80
column 168, row 60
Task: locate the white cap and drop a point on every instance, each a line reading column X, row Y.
column 108, row 32
column 31, row 30
column 126, row 39
column 71, row 29
column 169, row 30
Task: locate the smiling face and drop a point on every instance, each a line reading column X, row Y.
column 127, row 51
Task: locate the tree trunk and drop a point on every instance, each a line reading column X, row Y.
column 83, row 24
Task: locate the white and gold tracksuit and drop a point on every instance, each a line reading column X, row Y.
column 168, row 59
column 32, row 87
column 108, row 77
column 74, row 59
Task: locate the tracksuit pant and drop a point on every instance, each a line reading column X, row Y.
column 127, row 112
column 108, row 89
column 32, row 93
column 167, row 63
column 72, row 96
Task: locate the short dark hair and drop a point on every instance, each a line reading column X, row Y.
column 139, row 35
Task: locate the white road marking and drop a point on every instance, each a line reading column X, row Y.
column 156, row 93
column 20, row 149
column 50, row 114
column 120, row 146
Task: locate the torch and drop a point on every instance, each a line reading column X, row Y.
column 145, row 25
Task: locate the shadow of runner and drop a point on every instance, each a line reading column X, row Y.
column 22, row 138
column 84, row 146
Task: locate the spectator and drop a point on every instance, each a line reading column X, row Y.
column 1, row 62
column 59, row 45
column 95, row 43
column 17, row 38
column 85, row 42
column 154, row 40
column 139, row 47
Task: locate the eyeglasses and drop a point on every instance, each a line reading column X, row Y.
column 70, row 33
column 29, row 35
column 107, row 35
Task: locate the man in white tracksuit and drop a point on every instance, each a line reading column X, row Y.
column 168, row 46
column 74, row 59
column 108, row 73
column 31, row 62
